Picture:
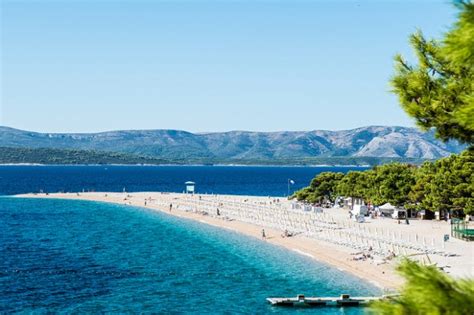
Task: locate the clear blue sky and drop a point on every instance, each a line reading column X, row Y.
column 83, row 66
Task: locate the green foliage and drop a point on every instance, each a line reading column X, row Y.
column 446, row 184
column 352, row 184
column 61, row 156
column 304, row 194
column 439, row 91
column 420, row 192
column 73, row 156
column 322, row 187
column 392, row 183
column 428, row 291
column 385, row 183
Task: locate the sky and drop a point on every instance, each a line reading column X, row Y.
column 88, row 66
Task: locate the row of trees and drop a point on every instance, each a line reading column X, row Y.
column 71, row 156
column 446, row 184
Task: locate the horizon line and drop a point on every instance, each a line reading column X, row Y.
column 216, row 132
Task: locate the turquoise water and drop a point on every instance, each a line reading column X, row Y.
column 78, row 256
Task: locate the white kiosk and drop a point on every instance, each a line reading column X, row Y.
column 190, row 187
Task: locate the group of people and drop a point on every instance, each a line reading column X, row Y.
column 368, row 255
column 285, row 233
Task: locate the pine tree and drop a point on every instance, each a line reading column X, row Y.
column 439, row 91
column 428, row 291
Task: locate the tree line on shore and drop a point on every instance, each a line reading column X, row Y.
column 443, row 185
column 16, row 155
column 71, row 157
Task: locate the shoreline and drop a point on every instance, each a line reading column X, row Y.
column 191, row 165
column 382, row 276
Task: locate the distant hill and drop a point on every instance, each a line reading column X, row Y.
column 389, row 143
column 50, row 156
column 66, row 156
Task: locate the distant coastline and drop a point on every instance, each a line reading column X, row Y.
column 54, row 156
column 191, row 165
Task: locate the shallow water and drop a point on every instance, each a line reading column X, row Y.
column 78, row 256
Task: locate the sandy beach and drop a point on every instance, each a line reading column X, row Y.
column 341, row 255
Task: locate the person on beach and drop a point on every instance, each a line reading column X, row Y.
column 145, row 202
column 264, row 236
column 391, row 255
column 218, row 212
column 171, row 206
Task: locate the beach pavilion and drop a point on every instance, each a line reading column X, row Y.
column 395, row 212
column 190, row 187
column 387, row 209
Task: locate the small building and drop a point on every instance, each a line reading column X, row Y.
column 190, row 187
column 359, row 210
column 389, row 210
column 399, row 213
column 348, row 202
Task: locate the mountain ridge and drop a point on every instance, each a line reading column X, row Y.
column 370, row 141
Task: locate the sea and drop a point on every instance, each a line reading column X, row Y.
column 239, row 180
column 71, row 256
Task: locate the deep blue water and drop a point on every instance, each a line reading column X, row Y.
column 88, row 257
column 263, row 181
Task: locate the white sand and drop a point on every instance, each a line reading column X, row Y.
column 310, row 244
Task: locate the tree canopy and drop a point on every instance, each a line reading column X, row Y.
column 444, row 185
column 322, row 187
column 392, row 183
column 439, row 90
column 447, row 184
